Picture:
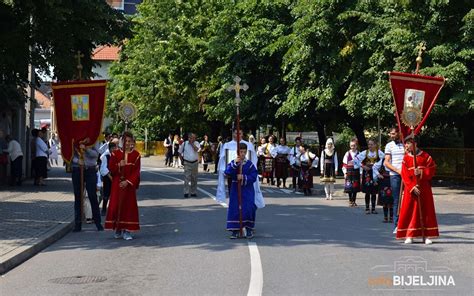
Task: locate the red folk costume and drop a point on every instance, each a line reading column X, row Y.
column 125, row 218
column 409, row 225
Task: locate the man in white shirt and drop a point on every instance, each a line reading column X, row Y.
column 189, row 156
column 394, row 152
column 105, row 175
column 227, row 154
column 16, row 157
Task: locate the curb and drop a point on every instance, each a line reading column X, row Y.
column 33, row 247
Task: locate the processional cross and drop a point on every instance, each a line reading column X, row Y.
column 79, row 67
column 237, row 87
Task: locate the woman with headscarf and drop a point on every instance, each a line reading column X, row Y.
column 329, row 168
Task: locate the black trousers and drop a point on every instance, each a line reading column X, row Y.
column 17, row 169
column 90, row 180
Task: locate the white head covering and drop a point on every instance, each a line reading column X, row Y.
column 329, row 141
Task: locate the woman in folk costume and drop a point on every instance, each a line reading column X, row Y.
column 328, row 168
column 175, row 150
column 206, row 153
column 281, row 155
column 269, row 162
column 261, row 156
column 351, row 170
column 381, row 177
column 308, row 162
column 124, row 166
column 248, row 207
column 417, row 212
column 367, row 159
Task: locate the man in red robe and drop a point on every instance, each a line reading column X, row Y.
column 417, row 212
column 122, row 214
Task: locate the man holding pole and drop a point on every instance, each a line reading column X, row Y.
column 242, row 209
column 417, row 214
column 85, row 160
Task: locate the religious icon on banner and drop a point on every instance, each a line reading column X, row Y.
column 80, row 107
column 412, row 107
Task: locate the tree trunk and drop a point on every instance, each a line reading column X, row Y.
column 358, row 129
column 321, row 134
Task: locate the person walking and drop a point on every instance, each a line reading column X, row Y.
column 168, row 153
column 41, row 160
column 54, row 155
column 417, row 213
column 124, row 166
column 105, row 174
column 329, row 167
column 351, row 170
column 394, row 153
column 190, row 156
column 206, row 153
column 89, row 164
column 241, row 213
column 218, row 152
column 176, row 159
column 16, row 158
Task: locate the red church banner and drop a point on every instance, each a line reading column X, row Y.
column 79, row 108
column 414, row 96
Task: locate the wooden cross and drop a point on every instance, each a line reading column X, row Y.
column 237, row 87
column 79, row 67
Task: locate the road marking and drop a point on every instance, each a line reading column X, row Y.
column 256, row 270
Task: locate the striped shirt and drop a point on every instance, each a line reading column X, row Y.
column 396, row 151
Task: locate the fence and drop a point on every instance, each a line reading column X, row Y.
column 456, row 163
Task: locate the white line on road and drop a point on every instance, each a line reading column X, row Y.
column 256, row 271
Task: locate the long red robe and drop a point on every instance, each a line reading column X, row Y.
column 409, row 221
column 122, row 213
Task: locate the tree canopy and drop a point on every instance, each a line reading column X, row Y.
column 310, row 64
column 47, row 34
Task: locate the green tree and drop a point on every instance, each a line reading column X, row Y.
column 55, row 30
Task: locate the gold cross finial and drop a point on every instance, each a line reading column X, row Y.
column 421, row 49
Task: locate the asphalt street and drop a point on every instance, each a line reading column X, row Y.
column 302, row 246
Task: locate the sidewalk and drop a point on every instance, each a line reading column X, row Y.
column 32, row 217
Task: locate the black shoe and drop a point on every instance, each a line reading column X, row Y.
column 77, row 229
column 248, row 233
column 374, row 211
column 100, row 227
column 193, row 195
column 235, row 234
column 186, row 195
column 367, row 211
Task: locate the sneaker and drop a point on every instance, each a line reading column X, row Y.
column 235, row 234
column 394, row 230
column 428, row 241
column 409, row 240
column 118, row 234
column 127, row 236
column 248, row 233
column 327, row 197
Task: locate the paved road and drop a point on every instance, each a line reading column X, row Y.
column 306, row 246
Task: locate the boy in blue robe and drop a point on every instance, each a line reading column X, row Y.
column 247, row 178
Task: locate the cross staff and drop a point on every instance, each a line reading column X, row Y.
column 79, row 67
column 237, row 87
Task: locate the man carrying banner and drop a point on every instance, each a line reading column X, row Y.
column 88, row 161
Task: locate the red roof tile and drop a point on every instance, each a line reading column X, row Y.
column 106, row 53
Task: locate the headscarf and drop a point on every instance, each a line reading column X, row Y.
column 329, row 151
